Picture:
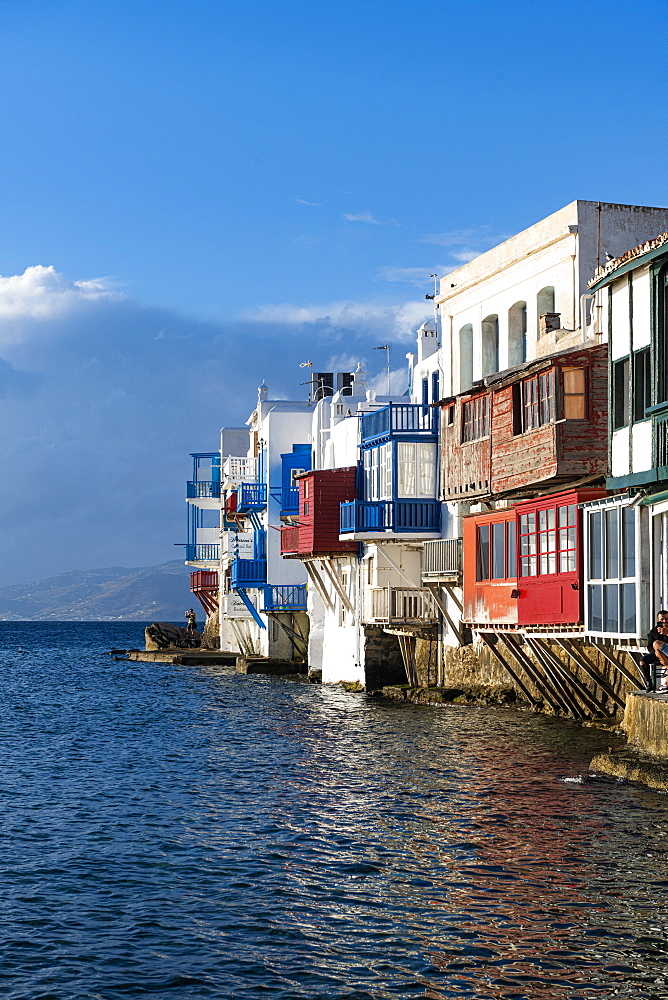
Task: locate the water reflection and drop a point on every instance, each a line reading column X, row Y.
column 194, row 833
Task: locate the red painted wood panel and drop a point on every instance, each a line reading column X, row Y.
column 320, row 495
column 486, row 601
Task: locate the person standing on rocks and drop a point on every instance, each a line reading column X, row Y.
column 191, row 618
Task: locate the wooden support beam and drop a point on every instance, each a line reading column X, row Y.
column 541, row 681
column 501, row 658
column 451, row 591
column 557, row 679
column 407, row 647
column 319, row 585
column 571, row 649
column 623, row 670
column 345, row 600
column 433, row 589
column 580, row 690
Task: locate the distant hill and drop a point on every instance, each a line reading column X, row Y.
column 154, row 593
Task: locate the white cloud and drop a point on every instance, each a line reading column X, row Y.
column 42, row 293
column 311, row 204
column 395, row 320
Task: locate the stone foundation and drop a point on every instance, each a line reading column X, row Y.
column 383, row 663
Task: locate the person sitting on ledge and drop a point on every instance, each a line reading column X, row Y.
column 661, row 650
column 649, row 660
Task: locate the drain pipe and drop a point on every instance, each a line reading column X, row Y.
column 588, row 296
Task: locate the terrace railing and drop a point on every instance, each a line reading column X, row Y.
column 236, row 469
column 248, row 573
column 402, row 604
column 290, row 597
column 251, row 496
column 390, row 516
column 442, row 558
column 397, row 419
column 203, row 490
column 202, row 553
column 661, row 442
column 290, row 500
column 289, row 539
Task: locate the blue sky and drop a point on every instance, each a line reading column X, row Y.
column 198, row 195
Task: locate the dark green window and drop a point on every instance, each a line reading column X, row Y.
column 621, row 371
column 642, row 384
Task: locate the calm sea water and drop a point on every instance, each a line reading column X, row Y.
column 185, row 832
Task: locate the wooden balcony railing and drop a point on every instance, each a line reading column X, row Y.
column 401, row 605
column 289, row 539
column 397, row 419
column 390, row 515
column 442, row 558
column 203, row 490
column 287, row 597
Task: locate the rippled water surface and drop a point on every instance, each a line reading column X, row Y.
column 185, row 832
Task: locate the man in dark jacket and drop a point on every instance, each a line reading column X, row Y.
column 649, row 660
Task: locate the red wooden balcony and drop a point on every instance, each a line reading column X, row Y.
column 317, row 532
column 523, row 565
column 204, row 585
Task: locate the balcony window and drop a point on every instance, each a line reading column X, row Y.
column 611, row 566
column 496, row 548
column 575, row 393
column 548, row 541
column 475, row 419
column 536, row 404
column 378, row 473
column 416, row 470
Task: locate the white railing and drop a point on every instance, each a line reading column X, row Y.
column 237, row 469
column 442, row 558
column 401, row 604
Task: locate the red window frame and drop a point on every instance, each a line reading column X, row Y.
column 548, row 541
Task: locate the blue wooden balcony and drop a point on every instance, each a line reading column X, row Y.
column 202, row 553
column 248, row 573
column 285, row 598
column 399, row 516
column 397, row 420
column 290, row 500
column 251, row 496
column 203, row 490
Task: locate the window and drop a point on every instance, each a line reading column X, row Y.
column 416, row 470
column 496, row 551
column 450, row 416
column 544, row 302
column 378, row 473
column 517, row 334
column 293, row 477
column 621, row 371
column 490, row 345
column 536, row 401
column 434, row 387
column 642, row 384
column 475, row 419
column 575, row 393
column 548, row 541
column 465, row 357
column 425, row 392
column 611, row 568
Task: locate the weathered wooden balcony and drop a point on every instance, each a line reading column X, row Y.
column 400, row 605
column 248, row 573
column 442, row 559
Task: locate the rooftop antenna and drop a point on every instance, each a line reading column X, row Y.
column 386, row 348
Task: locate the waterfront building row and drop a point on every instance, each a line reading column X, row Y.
column 503, row 521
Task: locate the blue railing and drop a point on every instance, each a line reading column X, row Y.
column 390, row 515
column 397, row 419
column 285, row 598
column 290, row 500
column 248, row 573
column 202, row 553
column 203, row 490
column 251, row 496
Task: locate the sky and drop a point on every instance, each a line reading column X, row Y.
column 200, row 196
